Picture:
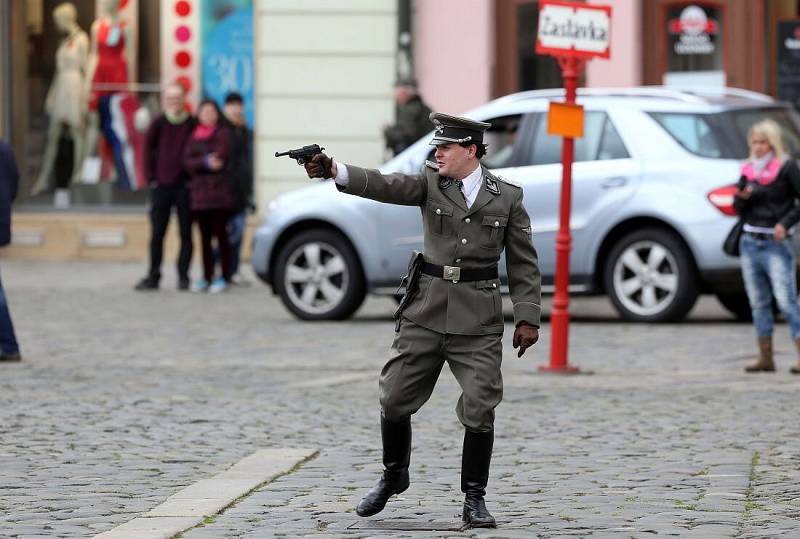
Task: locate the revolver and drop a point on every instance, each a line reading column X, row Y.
column 302, row 155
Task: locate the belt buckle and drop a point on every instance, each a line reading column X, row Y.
column 451, row 273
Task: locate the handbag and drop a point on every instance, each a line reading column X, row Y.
column 731, row 243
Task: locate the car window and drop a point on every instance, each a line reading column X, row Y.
column 600, row 141
column 744, row 119
column 500, row 139
column 692, row 131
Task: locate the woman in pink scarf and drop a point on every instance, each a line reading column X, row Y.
column 768, row 191
column 205, row 158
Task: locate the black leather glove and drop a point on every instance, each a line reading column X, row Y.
column 525, row 336
column 319, row 166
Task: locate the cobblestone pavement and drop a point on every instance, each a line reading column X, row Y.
column 125, row 398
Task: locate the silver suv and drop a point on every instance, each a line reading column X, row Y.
column 652, row 203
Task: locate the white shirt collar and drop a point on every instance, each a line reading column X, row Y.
column 471, row 184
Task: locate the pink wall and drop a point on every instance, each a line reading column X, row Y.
column 454, row 53
column 624, row 68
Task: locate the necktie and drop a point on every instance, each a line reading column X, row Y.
column 460, row 185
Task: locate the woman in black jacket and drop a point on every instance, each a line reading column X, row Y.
column 767, row 200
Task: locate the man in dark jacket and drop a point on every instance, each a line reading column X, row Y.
column 164, row 144
column 9, row 180
column 412, row 117
column 241, row 177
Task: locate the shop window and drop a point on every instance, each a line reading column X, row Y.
column 694, row 37
column 83, row 149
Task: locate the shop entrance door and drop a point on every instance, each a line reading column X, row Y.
column 518, row 67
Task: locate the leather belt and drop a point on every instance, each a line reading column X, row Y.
column 455, row 273
column 759, row 235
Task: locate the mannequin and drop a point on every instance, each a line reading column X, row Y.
column 64, row 103
column 110, row 63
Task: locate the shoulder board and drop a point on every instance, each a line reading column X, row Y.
column 431, row 164
column 509, row 182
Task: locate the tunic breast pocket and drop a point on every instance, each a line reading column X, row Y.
column 440, row 218
column 493, row 231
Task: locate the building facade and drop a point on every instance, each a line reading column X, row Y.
column 322, row 72
column 687, row 43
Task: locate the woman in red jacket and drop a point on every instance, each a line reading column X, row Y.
column 205, row 157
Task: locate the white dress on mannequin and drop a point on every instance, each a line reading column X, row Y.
column 65, row 99
column 69, row 82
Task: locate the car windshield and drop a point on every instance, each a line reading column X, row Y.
column 723, row 135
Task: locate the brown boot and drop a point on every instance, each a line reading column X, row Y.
column 765, row 362
column 796, row 368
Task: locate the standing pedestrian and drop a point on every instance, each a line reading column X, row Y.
column 9, row 181
column 240, row 174
column 452, row 310
column 205, row 157
column 167, row 178
column 769, row 188
column 411, row 115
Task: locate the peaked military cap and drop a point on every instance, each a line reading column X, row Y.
column 448, row 129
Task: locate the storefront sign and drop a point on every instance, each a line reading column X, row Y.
column 789, row 62
column 227, row 28
column 694, row 31
column 574, row 30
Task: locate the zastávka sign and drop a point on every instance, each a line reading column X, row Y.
column 568, row 29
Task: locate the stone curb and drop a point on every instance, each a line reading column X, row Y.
column 190, row 506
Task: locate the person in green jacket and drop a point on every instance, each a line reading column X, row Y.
column 412, row 117
column 452, row 311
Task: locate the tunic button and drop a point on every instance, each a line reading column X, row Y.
column 438, row 211
column 496, row 223
column 464, row 240
column 458, row 260
column 494, row 285
column 467, row 220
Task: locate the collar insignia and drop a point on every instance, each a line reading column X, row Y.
column 492, row 186
column 445, row 182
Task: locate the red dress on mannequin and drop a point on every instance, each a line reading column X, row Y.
column 112, row 66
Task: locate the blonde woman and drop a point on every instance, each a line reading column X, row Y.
column 768, row 189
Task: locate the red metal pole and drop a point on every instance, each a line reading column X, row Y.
column 559, row 319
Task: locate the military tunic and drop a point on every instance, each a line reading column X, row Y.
column 460, row 322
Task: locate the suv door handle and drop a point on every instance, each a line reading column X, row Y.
column 612, row 183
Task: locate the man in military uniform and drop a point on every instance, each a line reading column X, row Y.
column 412, row 117
column 452, row 312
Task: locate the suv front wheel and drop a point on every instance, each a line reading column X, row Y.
column 650, row 277
column 318, row 276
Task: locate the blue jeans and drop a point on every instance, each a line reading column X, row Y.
column 235, row 237
column 8, row 340
column 768, row 268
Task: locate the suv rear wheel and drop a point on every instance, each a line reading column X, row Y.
column 650, row 277
column 318, row 276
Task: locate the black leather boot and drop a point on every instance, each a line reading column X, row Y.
column 396, row 438
column 474, row 476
